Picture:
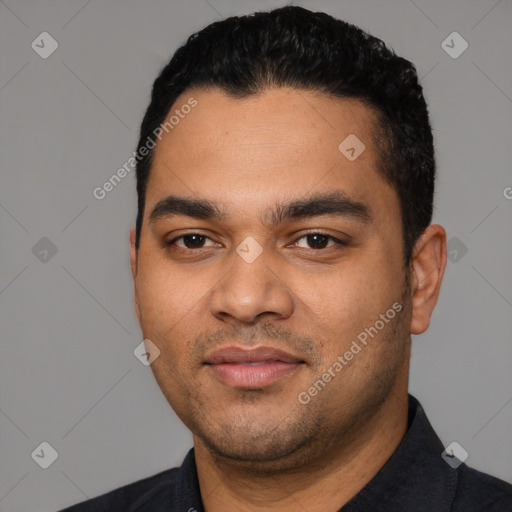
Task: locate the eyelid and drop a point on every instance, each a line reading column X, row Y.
column 171, row 242
column 337, row 241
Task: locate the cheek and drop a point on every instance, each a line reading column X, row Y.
column 352, row 299
column 166, row 292
column 173, row 304
column 166, row 301
column 157, row 294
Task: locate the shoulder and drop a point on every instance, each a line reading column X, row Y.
column 480, row 492
column 124, row 498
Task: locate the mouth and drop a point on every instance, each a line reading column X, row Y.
column 252, row 369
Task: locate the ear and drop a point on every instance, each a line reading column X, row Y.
column 133, row 253
column 133, row 266
column 427, row 271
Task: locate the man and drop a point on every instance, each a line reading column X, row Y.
column 282, row 257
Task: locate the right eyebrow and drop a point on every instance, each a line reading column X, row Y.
column 197, row 208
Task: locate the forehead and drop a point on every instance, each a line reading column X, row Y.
column 283, row 143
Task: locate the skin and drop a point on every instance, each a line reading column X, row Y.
column 262, row 449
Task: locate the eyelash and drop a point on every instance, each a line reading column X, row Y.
column 338, row 242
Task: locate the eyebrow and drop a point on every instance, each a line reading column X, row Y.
column 335, row 203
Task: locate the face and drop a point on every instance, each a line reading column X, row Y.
column 278, row 298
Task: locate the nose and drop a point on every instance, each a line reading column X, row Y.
column 251, row 289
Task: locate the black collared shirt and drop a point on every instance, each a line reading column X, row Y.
column 414, row 479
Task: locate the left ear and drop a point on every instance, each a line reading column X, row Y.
column 427, row 271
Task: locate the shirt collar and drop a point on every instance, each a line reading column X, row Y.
column 415, row 477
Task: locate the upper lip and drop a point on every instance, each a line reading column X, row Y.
column 243, row 355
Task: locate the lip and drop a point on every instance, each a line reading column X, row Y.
column 252, row 369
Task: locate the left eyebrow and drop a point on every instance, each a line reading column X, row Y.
column 333, row 203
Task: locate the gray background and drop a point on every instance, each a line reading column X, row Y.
column 68, row 375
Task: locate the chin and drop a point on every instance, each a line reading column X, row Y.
column 265, row 447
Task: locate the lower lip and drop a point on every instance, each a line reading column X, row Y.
column 247, row 376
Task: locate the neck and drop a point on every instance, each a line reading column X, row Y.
column 328, row 481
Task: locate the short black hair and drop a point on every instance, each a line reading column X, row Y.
column 294, row 47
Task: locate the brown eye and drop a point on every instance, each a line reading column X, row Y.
column 319, row 241
column 190, row 241
column 193, row 241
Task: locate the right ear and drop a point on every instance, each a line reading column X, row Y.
column 133, row 266
column 133, row 253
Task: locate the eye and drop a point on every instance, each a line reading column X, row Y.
column 190, row 241
column 314, row 240
column 319, row 241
